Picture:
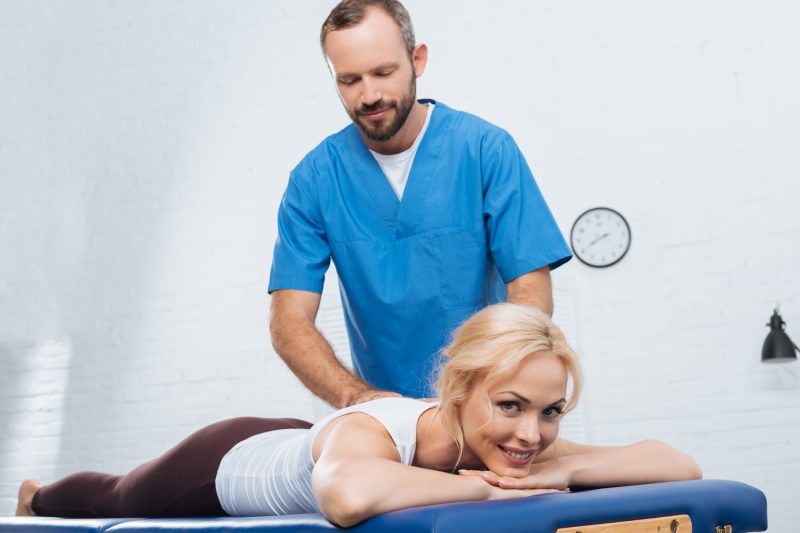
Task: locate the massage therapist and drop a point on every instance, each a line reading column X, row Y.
column 428, row 213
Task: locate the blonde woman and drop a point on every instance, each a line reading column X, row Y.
column 492, row 435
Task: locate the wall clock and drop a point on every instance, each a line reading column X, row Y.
column 600, row 237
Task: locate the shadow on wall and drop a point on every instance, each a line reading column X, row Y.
column 93, row 171
column 137, row 158
column 32, row 392
column 119, row 168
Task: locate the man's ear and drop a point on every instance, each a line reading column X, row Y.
column 419, row 58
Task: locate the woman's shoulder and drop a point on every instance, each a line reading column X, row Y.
column 381, row 408
column 393, row 403
column 394, row 417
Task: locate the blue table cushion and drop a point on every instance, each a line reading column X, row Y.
column 47, row 524
column 709, row 503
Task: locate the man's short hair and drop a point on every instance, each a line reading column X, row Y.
column 350, row 12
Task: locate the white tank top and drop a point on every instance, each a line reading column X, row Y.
column 270, row 473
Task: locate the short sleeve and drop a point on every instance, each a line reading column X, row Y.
column 302, row 254
column 523, row 235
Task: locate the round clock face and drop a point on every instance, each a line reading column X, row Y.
column 600, row 237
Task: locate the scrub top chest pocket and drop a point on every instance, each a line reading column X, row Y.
column 462, row 263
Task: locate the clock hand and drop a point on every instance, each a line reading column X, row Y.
column 600, row 238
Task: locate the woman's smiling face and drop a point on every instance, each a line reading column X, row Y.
column 508, row 421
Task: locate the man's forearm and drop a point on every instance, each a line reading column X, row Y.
column 311, row 358
column 533, row 288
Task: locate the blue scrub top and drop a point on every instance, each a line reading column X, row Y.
column 471, row 219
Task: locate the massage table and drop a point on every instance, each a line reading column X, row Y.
column 706, row 506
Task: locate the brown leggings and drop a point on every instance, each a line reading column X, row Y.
column 179, row 483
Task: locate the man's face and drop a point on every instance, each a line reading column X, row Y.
column 375, row 78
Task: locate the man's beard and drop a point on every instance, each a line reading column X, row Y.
column 379, row 131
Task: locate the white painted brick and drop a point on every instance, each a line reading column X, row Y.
column 144, row 148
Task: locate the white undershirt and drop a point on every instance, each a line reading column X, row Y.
column 397, row 167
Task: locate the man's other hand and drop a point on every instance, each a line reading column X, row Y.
column 369, row 395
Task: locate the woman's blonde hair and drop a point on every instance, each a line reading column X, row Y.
column 491, row 342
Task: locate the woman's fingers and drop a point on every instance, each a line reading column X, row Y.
column 531, row 482
column 506, row 482
column 536, row 492
column 505, row 494
column 485, row 475
column 527, row 483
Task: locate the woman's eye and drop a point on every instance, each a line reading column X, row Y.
column 552, row 412
column 509, row 407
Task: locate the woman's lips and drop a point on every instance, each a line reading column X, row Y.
column 515, row 456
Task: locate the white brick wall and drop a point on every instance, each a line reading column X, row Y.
column 144, row 148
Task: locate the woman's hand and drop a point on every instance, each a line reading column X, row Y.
column 498, row 493
column 550, row 475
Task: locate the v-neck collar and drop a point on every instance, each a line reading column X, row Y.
column 401, row 217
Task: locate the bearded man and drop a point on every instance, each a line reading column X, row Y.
column 428, row 213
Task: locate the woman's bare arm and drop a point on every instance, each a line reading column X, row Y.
column 358, row 475
column 648, row 461
column 568, row 464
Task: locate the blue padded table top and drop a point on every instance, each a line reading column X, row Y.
column 47, row 524
column 709, row 503
column 270, row 524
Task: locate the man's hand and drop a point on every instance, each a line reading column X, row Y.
column 370, row 395
column 300, row 344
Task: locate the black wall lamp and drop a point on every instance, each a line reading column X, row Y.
column 778, row 347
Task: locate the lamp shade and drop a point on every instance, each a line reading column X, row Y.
column 778, row 347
